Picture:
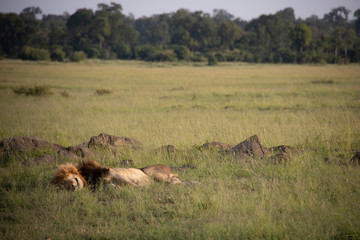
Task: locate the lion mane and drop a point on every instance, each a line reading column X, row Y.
column 68, row 177
column 94, row 174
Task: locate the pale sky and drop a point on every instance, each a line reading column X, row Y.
column 245, row 9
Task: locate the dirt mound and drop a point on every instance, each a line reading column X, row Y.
column 251, row 147
column 15, row 145
column 217, row 145
column 19, row 145
column 109, row 141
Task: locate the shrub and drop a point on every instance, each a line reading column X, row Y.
column 165, row 56
column 182, row 52
column 65, row 94
column 197, row 57
column 58, row 54
column 220, row 57
column 212, row 60
column 33, row 91
column 123, row 51
column 103, row 91
column 146, row 52
column 78, row 56
column 107, row 54
column 35, row 54
column 93, row 52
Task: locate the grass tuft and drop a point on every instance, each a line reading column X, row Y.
column 33, row 91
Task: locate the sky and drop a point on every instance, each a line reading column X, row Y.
column 244, row 9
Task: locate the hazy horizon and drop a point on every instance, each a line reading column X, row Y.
column 243, row 9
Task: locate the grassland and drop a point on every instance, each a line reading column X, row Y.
column 311, row 107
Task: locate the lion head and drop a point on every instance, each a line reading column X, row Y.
column 68, row 177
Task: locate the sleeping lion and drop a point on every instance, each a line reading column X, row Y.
column 93, row 173
column 68, row 177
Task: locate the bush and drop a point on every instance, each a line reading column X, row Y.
column 33, row 91
column 107, row 54
column 65, row 94
column 103, row 91
column 145, row 53
column 78, row 56
column 212, row 60
column 197, row 57
column 165, row 56
column 123, row 51
column 35, row 54
column 58, row 54
column 182, row 52
column 220, row 57
column 93, row 52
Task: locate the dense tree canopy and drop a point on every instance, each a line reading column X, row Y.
column 182, row 35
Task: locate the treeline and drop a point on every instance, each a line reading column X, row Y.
column 183, row 35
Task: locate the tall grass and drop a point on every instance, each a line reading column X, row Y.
column 314, row 108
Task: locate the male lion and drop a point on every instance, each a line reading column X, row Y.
column 161, row 173
column 68, row 177
column 94, row 173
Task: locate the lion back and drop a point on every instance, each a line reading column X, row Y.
column 161, row 173
column 128, row 176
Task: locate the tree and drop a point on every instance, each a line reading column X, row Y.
column 204, row 32
column 349, row 38
column 222, row 16
column 300, row 36
column 121, row 33
column 153, row 30
column 229, row 33
column 12, row 34
column 336, row 42
column 100, row 29
column 269, row 35
column 181, row 24
column 31, row 12
column 53, row 30
column 79, row 26
column 337, row 17
column 357, row 21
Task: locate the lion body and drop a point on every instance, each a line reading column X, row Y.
column 76, row 177
column 161, row 173
column 127, row 176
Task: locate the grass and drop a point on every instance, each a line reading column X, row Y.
column 186, row 106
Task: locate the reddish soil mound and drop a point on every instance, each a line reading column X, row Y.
column 109, row 141
column 251, row 147
column 22, row 144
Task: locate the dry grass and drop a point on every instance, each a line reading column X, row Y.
column 314, row 108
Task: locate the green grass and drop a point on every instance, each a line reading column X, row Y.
column 313, row 108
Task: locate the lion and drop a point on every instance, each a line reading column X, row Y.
column 161, row 173
column 68, row 177
column 95, row 174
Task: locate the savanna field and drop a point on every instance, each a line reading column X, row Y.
column 313, row 108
